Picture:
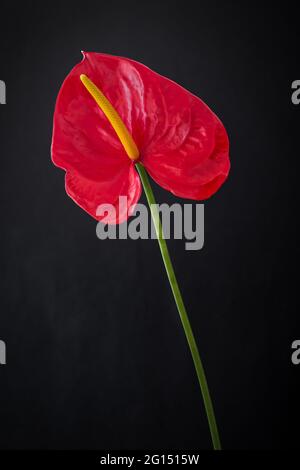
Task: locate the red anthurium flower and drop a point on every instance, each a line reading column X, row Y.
column 181, row 142
column 115, row 119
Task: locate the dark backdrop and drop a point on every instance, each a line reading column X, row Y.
column 96, row 356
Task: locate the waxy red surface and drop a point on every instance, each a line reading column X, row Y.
column 182, row 143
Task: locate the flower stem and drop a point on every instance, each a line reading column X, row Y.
column 181, row 308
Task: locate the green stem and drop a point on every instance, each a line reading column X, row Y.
column 181, row 308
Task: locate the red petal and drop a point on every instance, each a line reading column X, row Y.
column 86, row 146
column 89, row 194
column 183, row 144
column 199, row 165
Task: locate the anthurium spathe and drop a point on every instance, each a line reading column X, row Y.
column 180, row 141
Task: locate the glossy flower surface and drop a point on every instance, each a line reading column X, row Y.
column 182, row 143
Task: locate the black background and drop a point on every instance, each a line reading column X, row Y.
column 96, row 356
